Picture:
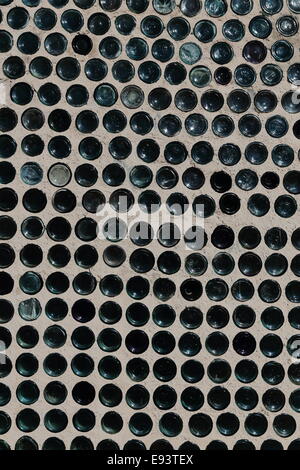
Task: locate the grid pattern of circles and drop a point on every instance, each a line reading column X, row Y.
column 130, row 343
